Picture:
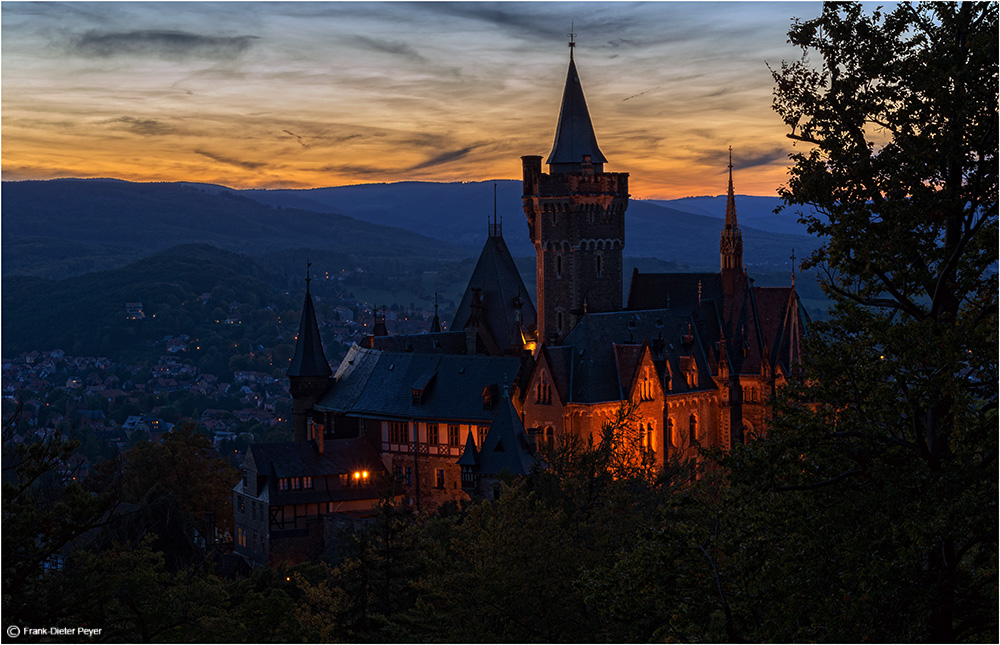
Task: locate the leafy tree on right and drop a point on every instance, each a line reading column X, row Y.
column 869, row 511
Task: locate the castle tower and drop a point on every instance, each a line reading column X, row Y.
column 576, row 220
column 309, row 372
column 731, row 244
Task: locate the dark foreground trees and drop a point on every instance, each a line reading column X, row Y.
column 870, row 511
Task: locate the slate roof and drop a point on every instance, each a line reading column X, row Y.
column 758, row 323
column 302, row 459
column 598, row 359
column 444, row 342
column 574, row 133
column 380, row 384
column 650, row 291
column 500, row 283
column 505, row 446
column 309, row 359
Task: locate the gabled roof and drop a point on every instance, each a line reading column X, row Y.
column 505, row 447
column 651, row 291
column 574, row 133
column 500, row 291
column 309, row 359
column 598, row 359
column 442, row 342
column 275, row 461
column 371, row 383
column 627, row 360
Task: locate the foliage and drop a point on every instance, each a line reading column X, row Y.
column 869, row 510
column 45, row 511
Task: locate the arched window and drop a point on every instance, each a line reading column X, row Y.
column 558, row 266
column 692, row 428
column 672, row 437
column 559, row 320
column 550, row 438
column 599, row 268
column 652, row 437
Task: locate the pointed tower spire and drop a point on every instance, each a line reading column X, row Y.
column 309, row 359
column 435, row 321
column 731, row 244
column 575, row 139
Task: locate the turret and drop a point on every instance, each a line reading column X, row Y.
column 309, row 372
column 576, row 220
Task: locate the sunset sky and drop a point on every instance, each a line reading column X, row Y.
column 301, row 95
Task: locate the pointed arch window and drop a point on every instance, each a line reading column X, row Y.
column 692, row 428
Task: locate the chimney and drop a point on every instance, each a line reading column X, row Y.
column 470, row 341
column 316, row 431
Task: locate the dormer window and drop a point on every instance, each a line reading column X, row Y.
column 418, row 396
column 490, row 396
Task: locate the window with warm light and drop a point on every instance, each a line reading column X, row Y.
column 432, row 433
column 453, row 436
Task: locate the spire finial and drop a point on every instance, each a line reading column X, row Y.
column 308, row 276
column 572, row 39
column 496, row 231
column 793, row 267
column 435, row 302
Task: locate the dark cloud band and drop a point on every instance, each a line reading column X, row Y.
column 163, row 44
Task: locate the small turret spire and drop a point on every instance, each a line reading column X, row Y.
column 435, row 321
column 309, row 359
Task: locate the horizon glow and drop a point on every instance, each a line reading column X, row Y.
column 313, row 94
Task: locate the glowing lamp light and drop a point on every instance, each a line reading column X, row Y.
column 357, row 475
column 364, row 474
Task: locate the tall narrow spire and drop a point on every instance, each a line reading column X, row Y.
column 731, row 196
column 575, row 138
column 731, row 244
column 309, row 359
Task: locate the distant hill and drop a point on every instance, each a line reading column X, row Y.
column 751, row 211
column 65, row 227
column 685, row 231
column 86, row 314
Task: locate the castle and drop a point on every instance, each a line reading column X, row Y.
column 425, row 419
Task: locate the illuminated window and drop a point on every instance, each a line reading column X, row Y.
column 241, row 537
column 296, row 483
column 453, row 437
column 282, row 483
column 482, row 434
column 432, row 433
column 307, row 482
